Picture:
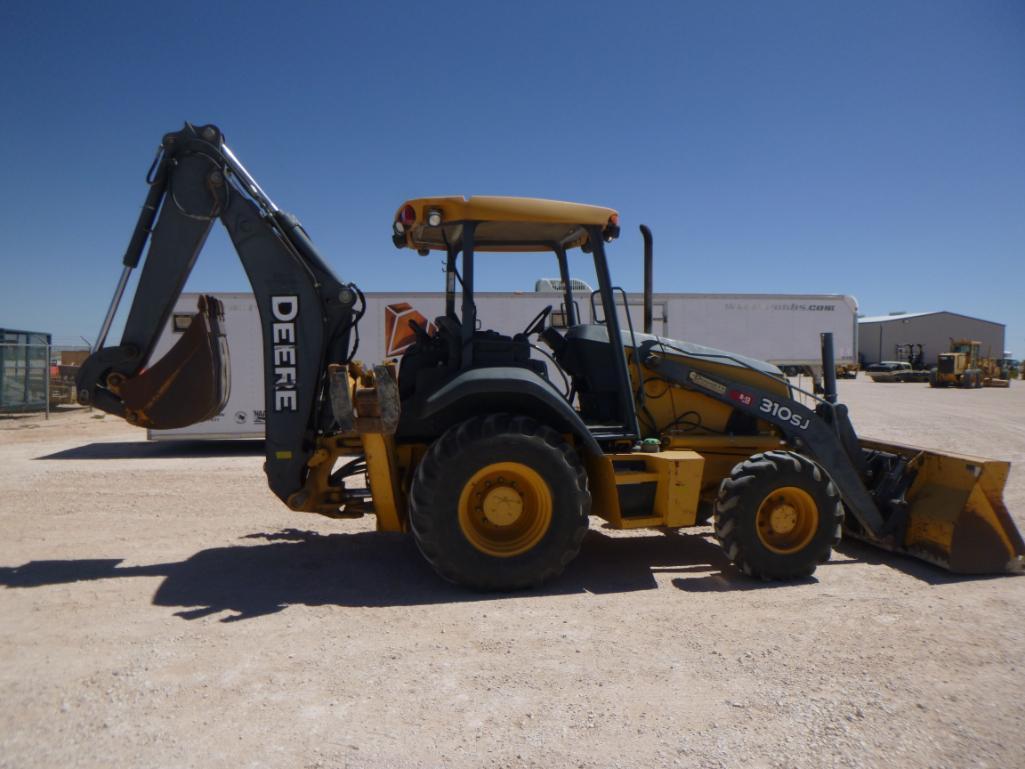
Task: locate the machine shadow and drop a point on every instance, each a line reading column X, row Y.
column 861, row 552
column 373, row 569
column 160, row 450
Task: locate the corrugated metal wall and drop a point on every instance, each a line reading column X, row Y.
column 877, row 340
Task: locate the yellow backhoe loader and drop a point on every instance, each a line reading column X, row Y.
column 492, row 451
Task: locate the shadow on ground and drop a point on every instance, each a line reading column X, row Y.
column 294, row 567
column 374, row 569
column 861, row 552
column 161, row 450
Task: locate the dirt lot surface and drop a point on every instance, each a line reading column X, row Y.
column 161, row 609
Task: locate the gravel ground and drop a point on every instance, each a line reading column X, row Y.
column 161, row 609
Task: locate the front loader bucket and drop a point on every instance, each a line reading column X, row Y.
column 189, row 384
column 956, row 513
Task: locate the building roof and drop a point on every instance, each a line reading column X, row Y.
column 898, row 316
column 906, row 315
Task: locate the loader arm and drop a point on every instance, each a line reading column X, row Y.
column 307, row 315
column 943, row 508
column 801, row 426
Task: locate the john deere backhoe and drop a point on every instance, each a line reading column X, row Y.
column 490, row 453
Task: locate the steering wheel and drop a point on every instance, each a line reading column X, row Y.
column 537, row 325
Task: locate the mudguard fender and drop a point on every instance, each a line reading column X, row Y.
column 505, row 389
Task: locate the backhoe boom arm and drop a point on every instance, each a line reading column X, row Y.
column 307, row 314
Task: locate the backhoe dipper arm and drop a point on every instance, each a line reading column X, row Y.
column 306, row 313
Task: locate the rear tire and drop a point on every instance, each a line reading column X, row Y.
column 778, row 516
column 499, row 503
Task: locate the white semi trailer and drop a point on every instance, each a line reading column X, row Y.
column 780, row 328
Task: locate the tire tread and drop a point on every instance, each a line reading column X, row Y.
column 729, row 509
column 460, row 439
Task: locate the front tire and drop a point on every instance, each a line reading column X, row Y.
column 499, row 503
column 778, row 516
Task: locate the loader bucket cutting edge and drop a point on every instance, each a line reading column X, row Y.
column 190, row 383
column 957, row 517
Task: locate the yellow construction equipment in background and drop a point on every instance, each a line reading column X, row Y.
column 847, row 371
column 965, row 367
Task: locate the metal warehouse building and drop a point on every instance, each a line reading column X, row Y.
column 879, row 336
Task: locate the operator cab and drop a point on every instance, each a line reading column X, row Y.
column 595, row 372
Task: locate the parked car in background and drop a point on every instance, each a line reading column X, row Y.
column 887, row 366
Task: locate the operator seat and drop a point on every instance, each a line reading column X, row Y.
column 441, row 354
column 584, row 355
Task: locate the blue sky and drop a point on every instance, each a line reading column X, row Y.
column 872, row 149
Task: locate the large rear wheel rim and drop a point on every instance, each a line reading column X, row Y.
column 787, row 520
column 505, row 509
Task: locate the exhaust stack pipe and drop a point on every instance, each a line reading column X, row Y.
column 828, row 367
column 648, row 266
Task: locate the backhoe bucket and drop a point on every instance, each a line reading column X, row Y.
column 956, row 516
column 189, row 384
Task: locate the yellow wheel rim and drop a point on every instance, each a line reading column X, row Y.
column 787, row 520
column 505, row 509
